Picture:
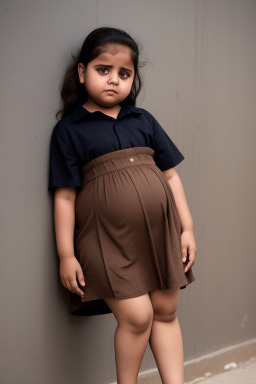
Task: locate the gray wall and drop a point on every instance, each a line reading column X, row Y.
column 200, row 84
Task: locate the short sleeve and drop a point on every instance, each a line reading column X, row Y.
column 166, row 154
column 64, row 169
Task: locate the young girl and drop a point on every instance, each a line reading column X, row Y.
column 123, row 228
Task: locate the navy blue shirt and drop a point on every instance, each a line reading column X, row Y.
column 82, row 136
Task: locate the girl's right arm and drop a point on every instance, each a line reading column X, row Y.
column 64, row 220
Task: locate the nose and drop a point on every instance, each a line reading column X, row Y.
column 113, row 78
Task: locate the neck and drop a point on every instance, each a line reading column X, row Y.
column 110, row 111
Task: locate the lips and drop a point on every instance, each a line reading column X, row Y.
column 111, row 91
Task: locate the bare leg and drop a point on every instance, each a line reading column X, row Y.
column 134, row 317
column 166, row 339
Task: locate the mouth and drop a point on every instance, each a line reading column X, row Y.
column 111, row 91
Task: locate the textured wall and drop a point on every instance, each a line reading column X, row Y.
column 200, row 84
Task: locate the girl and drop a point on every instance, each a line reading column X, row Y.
column 123, row 228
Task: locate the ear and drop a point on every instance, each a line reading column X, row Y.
column 81, row 73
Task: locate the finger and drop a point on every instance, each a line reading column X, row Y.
column 191, row 262
column 80, row 277
column 192, row 256
column 188, row 266
column 191, row 253
column 75, row 288
column 68, row 286
column 184, row 253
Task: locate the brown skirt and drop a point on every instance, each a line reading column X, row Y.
column 127, row 234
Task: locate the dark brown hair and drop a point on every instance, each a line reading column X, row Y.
column 71, row 89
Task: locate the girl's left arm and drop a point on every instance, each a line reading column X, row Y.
column 188, row 244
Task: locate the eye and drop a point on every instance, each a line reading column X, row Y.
column 103, row 71
column 124, row 75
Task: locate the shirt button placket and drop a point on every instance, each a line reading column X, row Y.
column 115, row 126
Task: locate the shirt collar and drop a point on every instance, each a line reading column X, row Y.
column 79, row 112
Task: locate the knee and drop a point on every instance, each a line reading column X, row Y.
column 139, row 322
column 164, row 314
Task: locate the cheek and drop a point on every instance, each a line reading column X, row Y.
column 93, row 84
column 132, row 81
column 130, row 84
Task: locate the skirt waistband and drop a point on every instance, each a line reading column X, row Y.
column 111, row 161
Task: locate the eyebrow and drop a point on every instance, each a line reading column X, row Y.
column 111, row 66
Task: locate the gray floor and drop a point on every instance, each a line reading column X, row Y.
column 244, row 373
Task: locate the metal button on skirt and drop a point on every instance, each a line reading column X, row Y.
column 127, row 234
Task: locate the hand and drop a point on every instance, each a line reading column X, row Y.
column 70, row 270
column 188, row 248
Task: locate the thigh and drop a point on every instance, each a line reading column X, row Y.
column 164, row 303
column 136, row 311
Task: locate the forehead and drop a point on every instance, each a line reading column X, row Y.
column 115, row 54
